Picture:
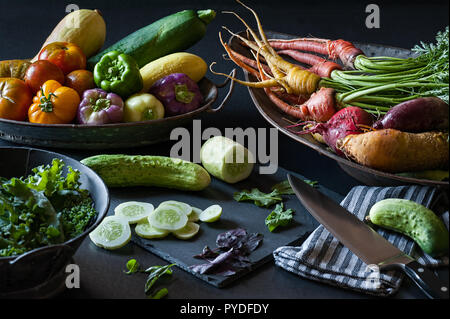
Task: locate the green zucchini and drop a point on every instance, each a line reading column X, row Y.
column 174, row 33
column 413, row 220
column 140, row 170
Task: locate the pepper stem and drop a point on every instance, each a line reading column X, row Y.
column 182, row 94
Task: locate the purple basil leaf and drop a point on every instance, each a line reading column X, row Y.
column 207, row 253
column 232, row 238
column 252, row 242
column 209, row 267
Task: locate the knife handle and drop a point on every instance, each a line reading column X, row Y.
column 426, row 280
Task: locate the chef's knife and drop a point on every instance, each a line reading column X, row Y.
column 363, row 241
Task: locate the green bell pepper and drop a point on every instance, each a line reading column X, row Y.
column 118, row 73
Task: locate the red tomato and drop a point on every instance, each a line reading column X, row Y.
column 40, row 72
column 80, row 81
column 15, row 99
column 67, row 56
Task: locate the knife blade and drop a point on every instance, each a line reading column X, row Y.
column 363, row 241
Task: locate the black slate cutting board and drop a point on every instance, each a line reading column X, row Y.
column 235, row 215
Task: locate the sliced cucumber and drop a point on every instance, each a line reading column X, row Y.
column 168, row 217
column 113, row 232
column 190, row 230
column 145, row 230
column 134, row 212
column 226, row 159
column 185, row 208
column 195, row 215
column 211, row 214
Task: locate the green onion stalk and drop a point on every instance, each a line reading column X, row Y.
column 379, row 83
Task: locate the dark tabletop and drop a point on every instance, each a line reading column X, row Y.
column 25, row 24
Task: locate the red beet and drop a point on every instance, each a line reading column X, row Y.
column 345, row 122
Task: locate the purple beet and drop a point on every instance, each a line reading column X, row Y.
column 418, row 115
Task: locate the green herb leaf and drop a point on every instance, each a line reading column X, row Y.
column 279, row 217
column 156, row 272
column 159, row 294
column 259, row 198
column 283, row 188
column 262, row 199
column 132, row 266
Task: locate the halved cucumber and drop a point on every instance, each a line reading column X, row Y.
column 226, row 159
column 113, row 232
column 134, row 212
column 145, row 230
column 211, row 214
column 185, row 208
column 168, row 217
column 190, row 230
column 195, row 215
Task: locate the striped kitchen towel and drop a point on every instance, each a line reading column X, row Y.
column 323, row 258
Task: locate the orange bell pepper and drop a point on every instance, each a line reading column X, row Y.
column 54, row 104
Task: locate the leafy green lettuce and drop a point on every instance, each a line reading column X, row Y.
column 47, row 207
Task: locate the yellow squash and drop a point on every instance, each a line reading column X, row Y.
column 181, row 62
column 84, row 27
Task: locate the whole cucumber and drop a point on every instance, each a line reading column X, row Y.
column 174, row 33
column 141, row 170
column 413, row 220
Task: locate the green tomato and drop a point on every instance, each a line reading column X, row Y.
column 142, row 107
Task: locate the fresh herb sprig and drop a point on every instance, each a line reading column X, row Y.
column 279, row 216
column 154, row 274
column 262, row 199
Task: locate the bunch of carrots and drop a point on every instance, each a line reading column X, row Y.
column 317, row 91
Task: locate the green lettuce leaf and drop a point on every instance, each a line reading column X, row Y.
column 279, row 217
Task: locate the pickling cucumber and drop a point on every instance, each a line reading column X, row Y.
column 140, row 170
column 168, row 217
column 226, row 159
column 185, row 208
column 134, row 212
column 413, row 220
column 187, row 232
column 174, row 33
column 145, row 230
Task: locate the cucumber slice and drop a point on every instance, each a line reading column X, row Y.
column 185, row 208
column 145, row 230
column 168, row 217
column 211, row 214
column 113, row 232
column 134, row 212
column 190, row 230
column 226, row 159
column 195, row 215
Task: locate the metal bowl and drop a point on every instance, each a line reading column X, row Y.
column 109, row 136
column 37, row 267
column 280, row 120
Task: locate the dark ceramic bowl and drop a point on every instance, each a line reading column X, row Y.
column 38, row 266
column 109, row 136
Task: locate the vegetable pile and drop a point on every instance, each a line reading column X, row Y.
column 387, row 113
column 42, row 209
column 143, row 77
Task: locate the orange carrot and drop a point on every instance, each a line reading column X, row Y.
column 320, row 66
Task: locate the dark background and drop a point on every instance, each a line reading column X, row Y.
column 24, row 25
